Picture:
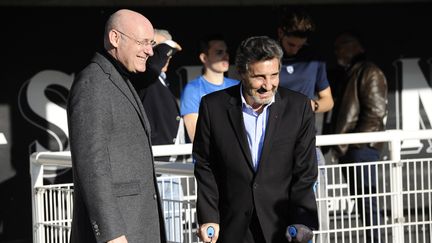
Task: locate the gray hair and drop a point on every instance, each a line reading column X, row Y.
column 255, row 49
column 164, row 33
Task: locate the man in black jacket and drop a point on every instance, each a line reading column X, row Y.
column 162, row 110
column 255, row 177
column 159, row 102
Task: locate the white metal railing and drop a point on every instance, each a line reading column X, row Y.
column 346, row 219
column 393, row 137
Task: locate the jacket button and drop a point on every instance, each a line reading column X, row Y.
column 154, row 196
column 97, row 233
column 255, row 186
column 178, row 118
column 174, row 139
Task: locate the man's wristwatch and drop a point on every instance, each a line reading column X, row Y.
column 316, row 105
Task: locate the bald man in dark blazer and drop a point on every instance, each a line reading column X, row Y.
column 254, row 153
column 116, row 199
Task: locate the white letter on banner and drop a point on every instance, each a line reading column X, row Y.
column 415, row 89
column 2, row 138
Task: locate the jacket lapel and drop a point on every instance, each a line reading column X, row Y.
column 236, row 117
column 140, row 108
column 272, row 125
column 125, row 88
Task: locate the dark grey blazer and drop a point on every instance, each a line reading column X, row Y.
column 115, row 190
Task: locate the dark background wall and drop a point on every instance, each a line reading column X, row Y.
column 34, row 39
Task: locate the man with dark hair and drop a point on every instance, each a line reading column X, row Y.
column 303, row 72
column 215, row 59
column 362, row 107
column 255, row 154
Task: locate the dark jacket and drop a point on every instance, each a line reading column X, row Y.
column 363, row 106
column 115, row 190
column 229, row 189
column 160, row 104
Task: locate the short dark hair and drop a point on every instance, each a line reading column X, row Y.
column 348, row 36
column 204, row 43
column 254, row 49
column 297, row 23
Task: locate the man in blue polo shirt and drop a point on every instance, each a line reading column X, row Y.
column 215, row 59
column 302, row 72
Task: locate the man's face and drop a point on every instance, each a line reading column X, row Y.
column 135, row 47
column 292, row 44
column 261, row 82
column 217, row 58
column 346, row 51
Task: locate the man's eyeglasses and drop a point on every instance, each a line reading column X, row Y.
column 145, row 42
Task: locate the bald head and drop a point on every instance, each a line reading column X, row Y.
column 129, row 37
column 125, row 19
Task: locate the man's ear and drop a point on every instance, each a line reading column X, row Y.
column 203, row 58
column 114, row 38
column 280, row 33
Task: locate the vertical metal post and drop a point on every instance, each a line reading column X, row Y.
column 36, row 176
column 396, row 186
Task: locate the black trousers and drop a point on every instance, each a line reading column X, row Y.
column 254, row 233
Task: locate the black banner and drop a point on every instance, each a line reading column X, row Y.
column 43, row 48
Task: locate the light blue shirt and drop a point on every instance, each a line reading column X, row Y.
column 255, row 125
column 195, row 89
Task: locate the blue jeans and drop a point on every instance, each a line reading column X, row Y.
column 366, row 180
column 320, row 189
column 172, row 195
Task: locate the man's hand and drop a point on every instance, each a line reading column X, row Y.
column 299, row 233
column 121, row 239
column 202, row 232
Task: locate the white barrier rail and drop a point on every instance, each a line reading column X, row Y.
column 393, row 137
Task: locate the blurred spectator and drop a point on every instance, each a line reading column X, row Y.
column 167, row 127
column 160, row 104
column 303, row 72
column 362, row 107
column 213, row 54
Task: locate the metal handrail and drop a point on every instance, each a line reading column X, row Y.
column 393, row 137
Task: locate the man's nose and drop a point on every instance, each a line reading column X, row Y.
column 267, row 84
column 149, row 50
column 226, row 56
